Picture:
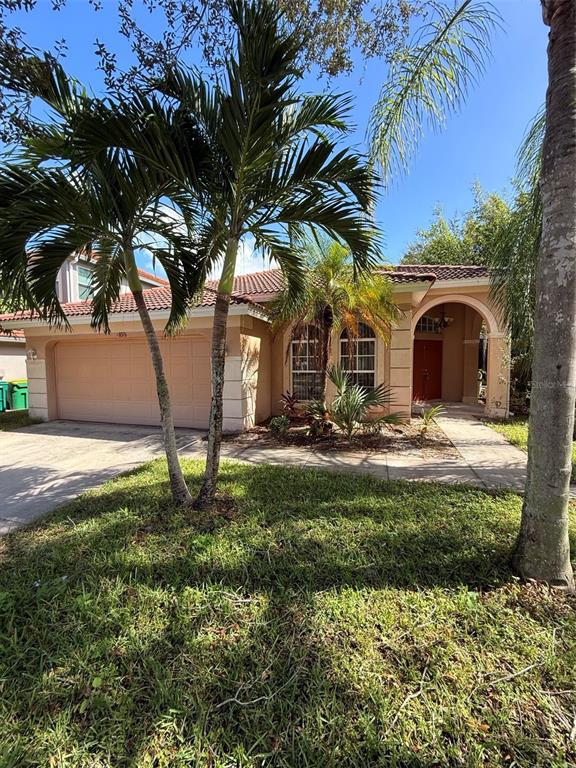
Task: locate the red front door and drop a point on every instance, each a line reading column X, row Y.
column 427, row 370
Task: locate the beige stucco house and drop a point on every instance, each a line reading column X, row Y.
column 12, row 355
column 434, row 353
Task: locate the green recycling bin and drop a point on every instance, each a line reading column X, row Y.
column 18, row 394
column 3, row 396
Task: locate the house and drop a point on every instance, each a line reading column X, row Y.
column 72, row 285
column 12, row 355
column 433, row 353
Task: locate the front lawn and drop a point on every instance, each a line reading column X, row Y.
column 515, row 430
column 10, row 420
column 331, row 620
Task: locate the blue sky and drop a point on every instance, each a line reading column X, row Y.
column 478, row 144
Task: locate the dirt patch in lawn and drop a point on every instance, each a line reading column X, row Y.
column 391, row 439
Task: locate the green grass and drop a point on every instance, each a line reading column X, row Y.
column 515, row 430
column 10, row 420
column 335, row 620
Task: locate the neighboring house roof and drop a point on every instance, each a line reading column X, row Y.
column 153, row 278
column 157, row 299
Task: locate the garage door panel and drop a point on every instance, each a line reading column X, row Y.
column 113, row 381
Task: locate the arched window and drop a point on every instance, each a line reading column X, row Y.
column 305, row 354
column 358, row 355
column 426, row 324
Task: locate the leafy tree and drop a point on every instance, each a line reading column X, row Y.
column 69, row 192
column 441, row 243
column 514, row 257
column 333, row 300
column 331, row 33
column 470, row 239
column 276, row 168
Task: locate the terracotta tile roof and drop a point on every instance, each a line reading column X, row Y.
column 156, row 299
column 444, row 271
column 263, row 286
column 17, row 335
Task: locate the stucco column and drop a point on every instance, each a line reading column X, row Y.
column 400, row 357
column 498, row 381
column 234, row 398
column 470, row 384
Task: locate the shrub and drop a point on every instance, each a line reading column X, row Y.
column 319, row 418
column 279, row 425
column 428, row 417
column 289, row 404
column 352, row 405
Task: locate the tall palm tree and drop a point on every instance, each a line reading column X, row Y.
column 276, row 167
column 543, row 549
column 70, row 193
column 333, row 300
column 426, row 83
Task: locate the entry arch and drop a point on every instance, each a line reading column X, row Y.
column 498, row 364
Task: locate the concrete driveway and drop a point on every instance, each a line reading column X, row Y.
column 45, row 465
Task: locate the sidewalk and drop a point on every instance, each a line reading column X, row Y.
column 486, row 459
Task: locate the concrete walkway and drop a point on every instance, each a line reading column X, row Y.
column 494, row 461
column 43, row 466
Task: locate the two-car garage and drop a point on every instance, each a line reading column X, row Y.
column 112, row 380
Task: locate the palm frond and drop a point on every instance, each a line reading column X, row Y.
column 429, row 80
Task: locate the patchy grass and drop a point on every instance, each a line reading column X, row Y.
column 336, row 620
column 515, row 430
column 10, row 420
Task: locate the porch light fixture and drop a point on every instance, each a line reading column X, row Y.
column 442, row 322
column 31, row 354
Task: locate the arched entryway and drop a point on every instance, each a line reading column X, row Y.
column 459, row 353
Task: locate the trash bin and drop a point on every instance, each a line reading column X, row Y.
column 3, row 396
column 18, row 394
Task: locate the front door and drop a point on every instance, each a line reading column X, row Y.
column 427, row 370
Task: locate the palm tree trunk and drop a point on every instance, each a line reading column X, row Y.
column 543, row 550
column 327, row 324
column 208, row 490
column 180, row 493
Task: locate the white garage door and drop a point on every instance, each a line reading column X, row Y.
column 113, row 380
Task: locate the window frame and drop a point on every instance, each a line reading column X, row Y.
column 87, row 289
column 431, row 325
column 355, row 371
column 296, row 346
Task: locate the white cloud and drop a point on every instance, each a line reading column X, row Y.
column 249, row 260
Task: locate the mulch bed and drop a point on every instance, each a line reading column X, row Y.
column 392, row 439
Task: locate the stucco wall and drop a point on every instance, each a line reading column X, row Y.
column 42, row 372
column 256, row 364
column 12, row 360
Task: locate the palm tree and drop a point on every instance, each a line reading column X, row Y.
column 427, row 82
column 543, row 549
column 333, row 300
column 276, row 167
column 70, row 193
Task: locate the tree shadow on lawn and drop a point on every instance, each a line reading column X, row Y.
column 290, row 636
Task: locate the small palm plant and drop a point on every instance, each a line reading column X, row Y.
column 352, row 405
column 428, row 417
